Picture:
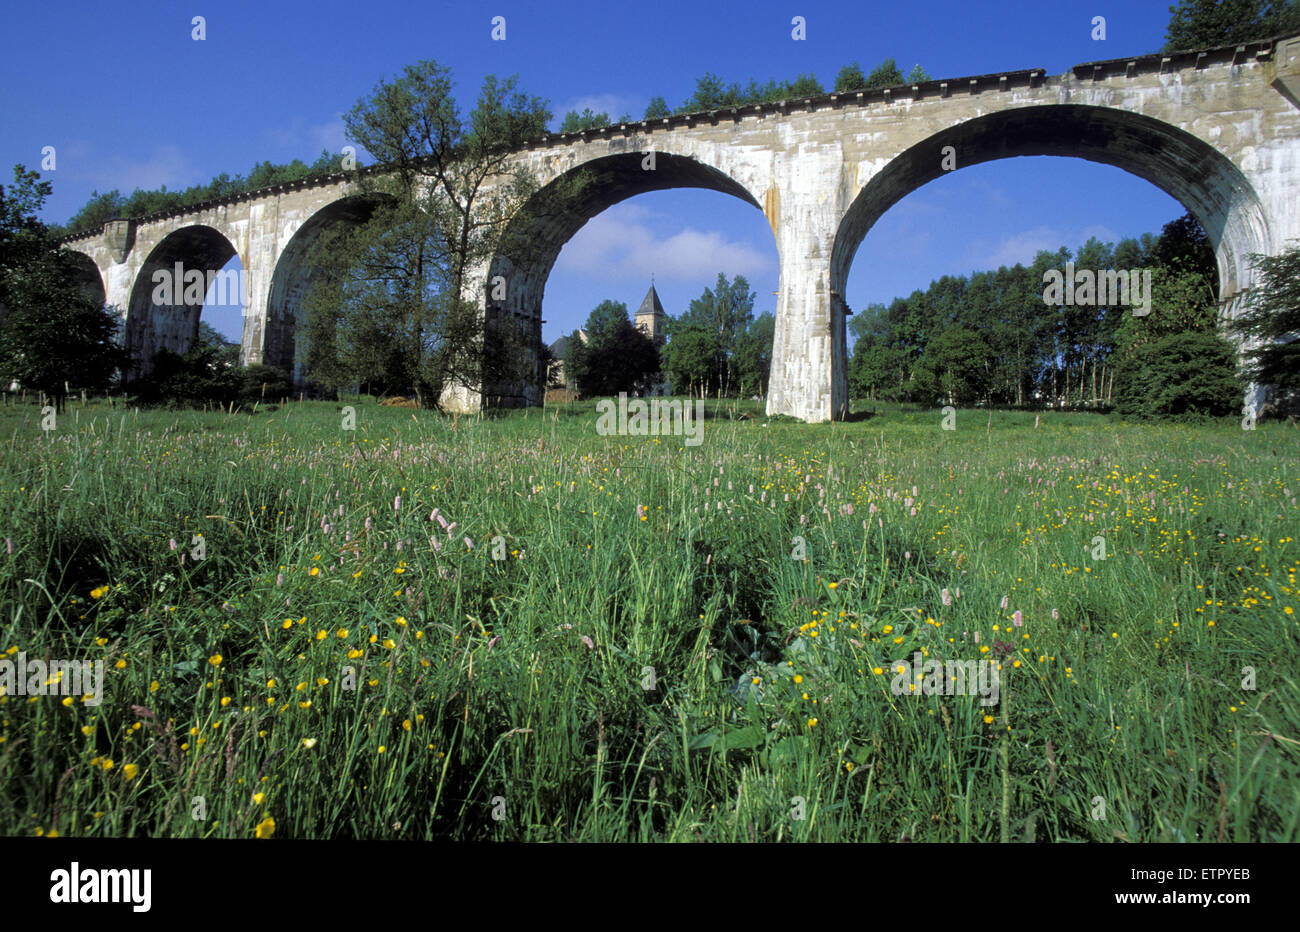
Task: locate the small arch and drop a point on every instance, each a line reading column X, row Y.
column 172, row 321
column 86, row 276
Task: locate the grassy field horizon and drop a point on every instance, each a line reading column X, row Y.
column 410, row 625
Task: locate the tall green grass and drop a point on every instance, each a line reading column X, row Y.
column 683, row 677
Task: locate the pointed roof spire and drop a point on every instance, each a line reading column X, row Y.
column 650, row 305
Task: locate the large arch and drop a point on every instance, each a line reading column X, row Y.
column 1190, row 170
column 173, row 323
column 552, row 215
column 292, row 279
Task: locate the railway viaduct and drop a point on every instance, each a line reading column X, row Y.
column 1217, row 129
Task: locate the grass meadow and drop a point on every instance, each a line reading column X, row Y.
column 514, row 628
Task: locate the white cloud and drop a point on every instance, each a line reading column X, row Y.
column 615, row 248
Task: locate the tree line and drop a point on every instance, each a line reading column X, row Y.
column 712, row 93
column 715, row 348
column 113, row 205
column 993, row 338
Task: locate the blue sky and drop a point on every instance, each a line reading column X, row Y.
column 128, row 99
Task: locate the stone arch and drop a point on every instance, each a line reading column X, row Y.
column 292, row 279
column 86, row 275
column 1187, row 168
column 173, row 322
column 541, row 226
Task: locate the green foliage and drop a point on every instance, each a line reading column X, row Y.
column 530, row 673
column 389, row 308
column 657, row 108
column 886, row 74
column 110, row 206
column 53, row 335
column 617, row 357
column 751, row 360
column 575, row 122
column 1199, row 24
column 1271, row 320
column 1027, row 352
column 693, row 360
column 956, row 367
column 724, row 312
column 917, row 75
column 850, row 78
column 1179, row 375
column 711, row 93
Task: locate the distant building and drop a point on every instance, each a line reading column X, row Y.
column 555, row 376
column 650, row 319
column 650, row 316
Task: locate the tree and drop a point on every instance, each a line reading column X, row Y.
column 724, row 311
column 752, row 359
column 53, row 335
column 575, row 122
column 886, row 74
column 616, row 358
column 657, row 108
column 955, row 367
column 1177, row 375
column 404, row 303
column 1272, row 319
column 850, row 78
column 917, row 75
column 200, row 375
column 1199, row 24
column 693, row 360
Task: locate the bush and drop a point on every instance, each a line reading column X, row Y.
column 278, row 384
column 1180, row 375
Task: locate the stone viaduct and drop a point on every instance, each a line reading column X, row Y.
column 1217, row 129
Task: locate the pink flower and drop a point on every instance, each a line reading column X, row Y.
column 1004, row 603
column 1017, row 619
column 172, row 543
column 279, row 579
column 397, row 504
column 1055, row 614
column 469, row 544
column 945, row 596
column 591, row 645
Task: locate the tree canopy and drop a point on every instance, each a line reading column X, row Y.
column 54, row 335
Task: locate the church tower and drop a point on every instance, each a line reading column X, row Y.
column 650, row 316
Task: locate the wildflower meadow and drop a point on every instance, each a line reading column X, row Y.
column 320, row 621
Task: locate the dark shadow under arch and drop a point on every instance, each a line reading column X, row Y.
column 86, row 275
column 152, row 326
column 292, row 279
